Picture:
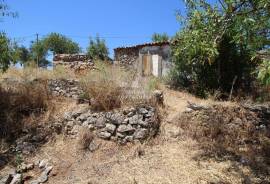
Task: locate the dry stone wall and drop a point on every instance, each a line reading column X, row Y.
column 123, row 126
column 126, row 57
column 75, row 62
column 65, row 87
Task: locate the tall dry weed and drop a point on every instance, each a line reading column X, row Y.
column 18, row 102
column 85, row 139
column 230, row 132
column 32, row 73
column 110, row 87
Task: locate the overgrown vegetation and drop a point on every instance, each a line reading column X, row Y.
column 103, row 88
column 217, row 46
column 231, row 132
column 19, row 102
column 110, row 87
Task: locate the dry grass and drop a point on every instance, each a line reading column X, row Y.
column 30, row 73
column 230, row 133
column 161, row 160
column 22, row 100
column 110, row 87
column 85, row 139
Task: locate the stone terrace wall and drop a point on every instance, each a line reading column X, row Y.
column 73, row 61
column 65, row 87
column 122, row 126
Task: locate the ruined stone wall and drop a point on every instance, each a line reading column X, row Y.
column 73, row 61
column 65, row 87
column 123, row 126
column 127, row 56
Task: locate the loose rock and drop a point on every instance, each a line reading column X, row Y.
column 110, row 128
column 104, row 135
column 141, row 133
column 101, row 122
column 125, row 129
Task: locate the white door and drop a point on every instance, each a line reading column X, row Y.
column 156, row 59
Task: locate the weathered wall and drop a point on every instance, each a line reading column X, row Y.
column 164, row 52
column 73, row 61
column 127, row 57
column 131, row 57
column 65, row 87
column 123, row 126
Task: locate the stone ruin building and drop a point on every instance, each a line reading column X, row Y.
column 147, row 59
column 75, row 62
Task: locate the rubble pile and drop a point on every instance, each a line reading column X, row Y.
column 33, row 173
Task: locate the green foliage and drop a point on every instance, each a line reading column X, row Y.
column 216, row 44
column 18, row 159
column 7, row 54
column 264, row 72
column 60, row 44
column 156, row 37
column 97, row 49
column 23, row 54
column 39, row 52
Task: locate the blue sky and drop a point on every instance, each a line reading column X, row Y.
column 121, row 22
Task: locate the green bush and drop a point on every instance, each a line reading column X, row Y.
column 264, row 72
column 7, row 54
column 215, row 47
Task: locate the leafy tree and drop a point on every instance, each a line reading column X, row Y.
column 264, row 68
column 97, row 49
column 60, row 44
column 39, row 53
column 264, row 72
column 156, row 37
column 23, row 54
column 7, row 55
column 217, row 43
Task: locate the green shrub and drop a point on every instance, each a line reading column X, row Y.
column 215, row 46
